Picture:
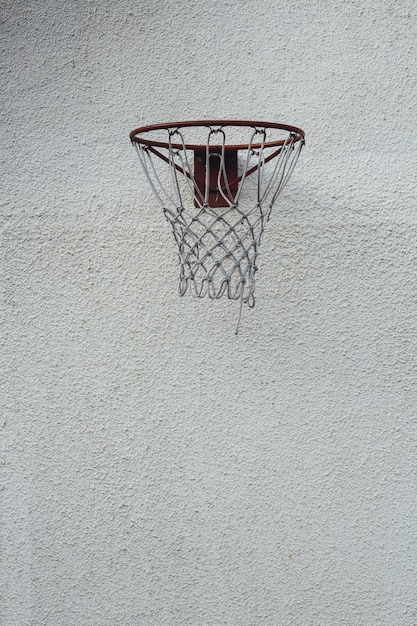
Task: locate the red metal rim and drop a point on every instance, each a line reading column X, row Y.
column 135, row 135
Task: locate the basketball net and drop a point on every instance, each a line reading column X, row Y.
column 217, row 200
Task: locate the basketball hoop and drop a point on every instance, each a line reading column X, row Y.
column 216, row 182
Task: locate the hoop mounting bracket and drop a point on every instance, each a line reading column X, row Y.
column 228, row 183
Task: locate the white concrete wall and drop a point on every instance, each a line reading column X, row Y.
column 156, row 469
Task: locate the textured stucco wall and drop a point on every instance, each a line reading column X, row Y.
column 156, row 470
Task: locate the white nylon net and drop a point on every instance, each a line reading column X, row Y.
column 216, row 186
